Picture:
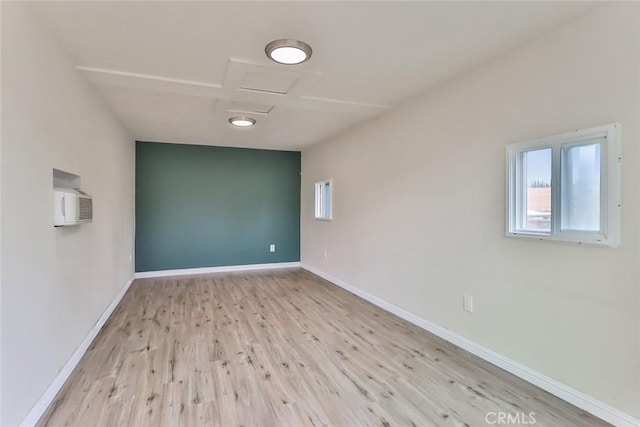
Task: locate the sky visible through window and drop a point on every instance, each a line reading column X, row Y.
column 539, row 167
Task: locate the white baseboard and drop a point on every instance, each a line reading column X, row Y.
column 223, row 269
column 564, row 392
column 47, row 398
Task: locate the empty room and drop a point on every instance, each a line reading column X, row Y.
column 319, row 213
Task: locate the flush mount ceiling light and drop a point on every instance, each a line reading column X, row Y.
column 242, row 122
column 288, row 52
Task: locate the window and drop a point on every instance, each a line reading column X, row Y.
column 323, row 200
column 566, row 187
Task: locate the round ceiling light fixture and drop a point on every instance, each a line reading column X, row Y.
column 288, row 51
column 242, row 122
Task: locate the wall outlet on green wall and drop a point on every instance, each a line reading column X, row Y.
column 272, row 248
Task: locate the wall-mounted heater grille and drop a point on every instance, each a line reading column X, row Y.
column 71, row 207
column 85, row 209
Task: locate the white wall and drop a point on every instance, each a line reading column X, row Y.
column 55, row 282
column 419, row 198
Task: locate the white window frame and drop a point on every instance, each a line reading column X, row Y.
column 610, row 185
column 320, row 201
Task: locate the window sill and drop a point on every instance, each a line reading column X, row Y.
column 595, row 239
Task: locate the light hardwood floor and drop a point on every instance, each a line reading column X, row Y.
column 282, row 348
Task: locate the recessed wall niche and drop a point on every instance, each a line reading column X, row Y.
column 62, row 179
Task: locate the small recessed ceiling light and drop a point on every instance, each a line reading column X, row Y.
column 288, row 52
column 242, row 122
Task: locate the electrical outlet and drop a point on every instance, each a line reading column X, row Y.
column 467, row 303
column 272, row 248
column 325, row 254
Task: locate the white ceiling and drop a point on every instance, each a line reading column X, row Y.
column 176, row 71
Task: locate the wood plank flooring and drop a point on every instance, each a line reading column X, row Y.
column 282, row 348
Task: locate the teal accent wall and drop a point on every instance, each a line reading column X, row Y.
column 202, row 206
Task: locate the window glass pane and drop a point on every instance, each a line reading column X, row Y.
column 327, row 201
column 536, row 165
column 323, row 200
column 580, row 169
